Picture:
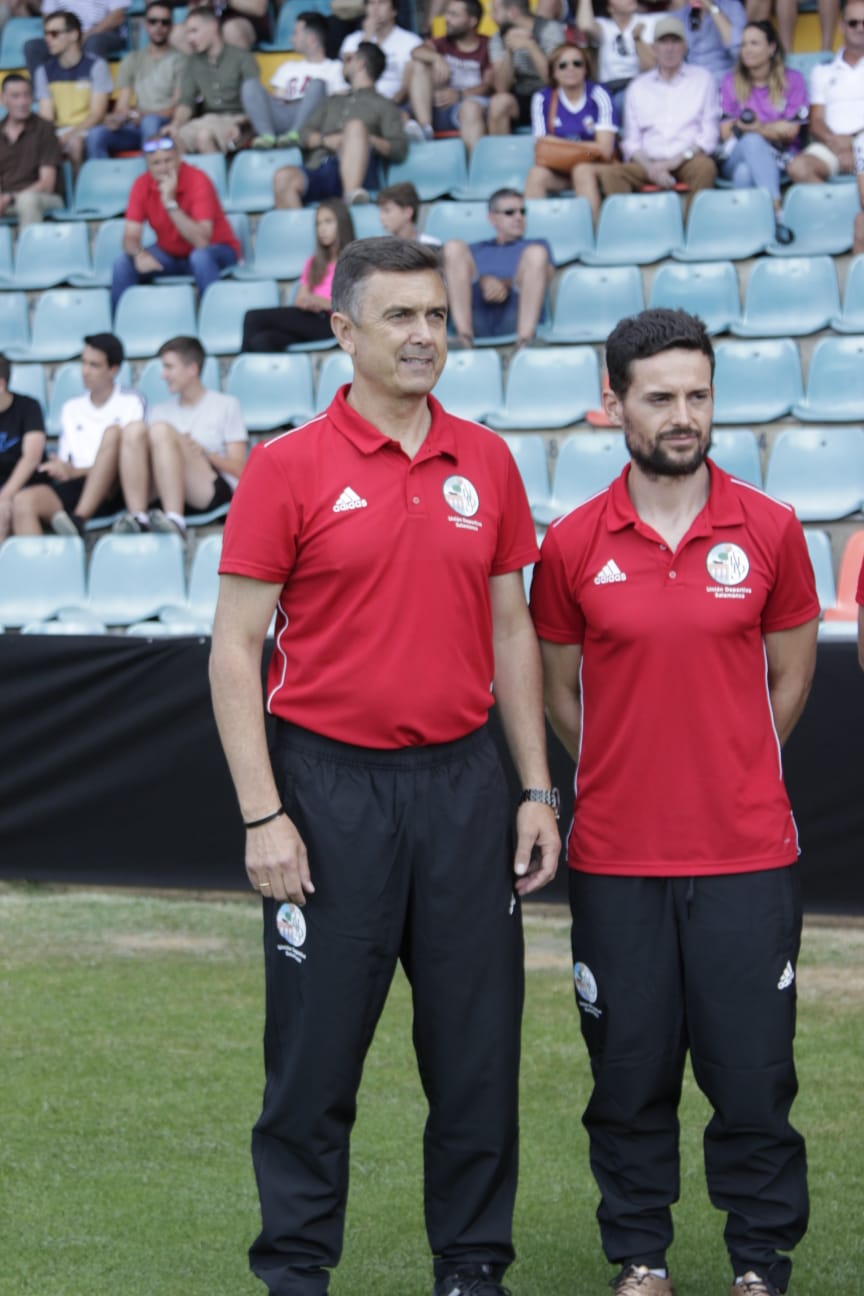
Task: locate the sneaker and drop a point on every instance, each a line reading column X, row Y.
column 638, row 1280
column 783, row 234
column 67, row 524
column 287, row 138
column 420, row 134
column 357, row 197
column 126, row 524
column 477, row 1281
column 264, row 142
column 164, row 525
column 752, row 1285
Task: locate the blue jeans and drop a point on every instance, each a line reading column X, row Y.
column 102, row 142
column 752, row 164
column 204, row 264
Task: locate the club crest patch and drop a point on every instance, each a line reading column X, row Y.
column 586, row 985
column 727, row 564
column 291, row 926
column 461, row 496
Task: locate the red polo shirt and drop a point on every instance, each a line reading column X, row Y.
column 859, row 593
column 384, row 624
column 679, row 770
column 196, row 196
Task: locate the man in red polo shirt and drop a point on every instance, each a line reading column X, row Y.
column 677, row 614
column 193, row 234
column 388, row 537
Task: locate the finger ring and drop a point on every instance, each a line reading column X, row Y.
column 262, row 885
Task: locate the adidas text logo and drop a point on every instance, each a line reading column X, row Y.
column 609, row 572
column 787, row 976
column 349, row 499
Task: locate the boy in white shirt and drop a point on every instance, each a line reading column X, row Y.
column 298, row 86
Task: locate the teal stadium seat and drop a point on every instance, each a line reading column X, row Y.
column 565, row 223
column 288, row 15
column 250, row 179
column 586, row 464
column 470, row 384
column 835, row 382
column 434, row 167
column 821, row 217
column 214, row 167
column 756, row 382
column 16, row 33
column 47, row 254
column 200, row 605
column 497, row 162
column 851, row 320
column 223, row 307
column 819, row 549
column 74, row 626
column 284, row 241
column 133, row 576
column 468, row 221
column 14, row 319
column 637, row 229
column 727, row 225
column 789, row 298
column 819, row 471
column 366, row 219
column 148, row 314
column 737, row 451
column 530, row 454
column 551, row 387
column 38, row 576
column 61, row 320
column 5, row 249
column 590, row 301
column 153, row 388
column 102, row 189
column 29, row 380
column 107, row 246
column 274, row 391
column 708, row 289
column 335, row 371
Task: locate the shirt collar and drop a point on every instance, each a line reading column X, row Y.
column 440, row 439
column 722, row 508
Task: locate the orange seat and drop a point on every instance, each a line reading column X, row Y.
column 846, row 607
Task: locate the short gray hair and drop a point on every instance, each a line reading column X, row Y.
column 365, row 257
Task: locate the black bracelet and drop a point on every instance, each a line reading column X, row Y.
column 544, row 796
column 256, row 823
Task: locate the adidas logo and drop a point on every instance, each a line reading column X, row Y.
column 349, row 499
column 609, row 572
column 787, row 976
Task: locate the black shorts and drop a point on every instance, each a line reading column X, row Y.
column 69, row 493
column 222, row 494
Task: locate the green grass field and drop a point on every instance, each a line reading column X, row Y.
column 131, row 1075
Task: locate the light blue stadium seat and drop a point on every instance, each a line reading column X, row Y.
column 284, row 241
column 132, row 576
column 67, row 382
column 203, row 587
column 565, row 223
column 789, row 298
column 14, row 319
column 181, row 627
column 708, row 289
column 39, row 575
column 239, row 222
column 5, row 249
column 529, row 452
column 497, row 162
column 102, row 189
column 550, row 387
column 835, row 382
column 214, row 167
column 223, row 307
column 819, row 549
column 62, row 318
column 434, row 167
column 46, row 254
column 275, row 391
column 107, row 246
column 148, row 314
column 737, row 450
column 586, row 464
column 851, row 319
column 727, row 225
column 335, row 371
column 756, row 382
column 591, row 300
column 821, row 217
column 288, row 15
column 470, row 384
column 153, row 388
column 819, row 471
column 637, row 229
column 84, row 625
column 250, row 179
column 16, row 33
column 29, row 380
column 468, row 221
column 366, row 220
column 804, row 62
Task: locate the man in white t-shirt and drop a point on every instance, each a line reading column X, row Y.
column 379, row 27
column 299, row 85
column 81, row 478
column 836, row 107
column 191, row 451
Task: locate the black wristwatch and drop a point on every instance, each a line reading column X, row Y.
column 544, row 796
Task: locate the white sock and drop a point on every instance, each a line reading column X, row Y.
column 143, row 518
column 178, row 519
column 659, row 1273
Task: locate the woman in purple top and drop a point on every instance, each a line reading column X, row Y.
column 583, row 111
column 764, row 107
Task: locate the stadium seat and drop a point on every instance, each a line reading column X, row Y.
column 67, row 382
column 470, row 384
column 459, row 220
column 250, row 180
column 590, row 301
column 366, row 220
column 789, row 298
column 497, row 162
column 756, row 382
column 153, row 388
column 727, row 225
column 107, row 246
column 851, row 320
column 275, row 391
column 102, row 189
column 239, row 222
column 637, row 229
column 821, row 217
column 214, row 167
column 586, row 464
column 804, row 62
column 29, row 380
column 16, row 33
column 819, row 471
column 5, row 249
column 133, row 576
column 175, row 628
column 288, row 14
column 846, row 607
column 83, row 625
column 708, row 289
column 819, row 549
column 529, row 452
column 335, row 371
column 60, row 321
column 835, row 382
column 565, row 223
column 434, row 167
column 148, row 314
column 284, row 241
column 200, row 605
column 551, row 387
column 223, row 307
column 46, row 254
column 737, row 451
column 39, row 575
column 14, row 319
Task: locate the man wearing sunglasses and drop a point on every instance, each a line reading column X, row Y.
column 836, row 107
column 104, row 32
column 148, row 90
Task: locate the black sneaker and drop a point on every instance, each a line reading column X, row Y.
column 473, row 1280
column 783, row 234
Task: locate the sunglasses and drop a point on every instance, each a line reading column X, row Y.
column 157, row 145
column 620, row 45
column 510, row 211
column 56, row 31
column 569, row 63
column 854, row 23
column 158, row 22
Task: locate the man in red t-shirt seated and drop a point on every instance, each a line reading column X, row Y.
column 193, row 235
column 451, row 77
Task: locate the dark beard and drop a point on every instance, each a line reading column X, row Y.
column 658, row 463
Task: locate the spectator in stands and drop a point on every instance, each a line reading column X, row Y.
column 520, row 60
column 764, row 105
column 379, row 28
column 193, row 234
column 80, row 480
column 399, row 206
column 836, row 107
column 571, row 107
column 671, row 120
column 22, row 444
column 308, row 319
column 213, row 78
column 30, row 156
column 498, row 286
column 714, row 30
column 624, row 41
column 299, row 86
column 344, row 138
column 72, row 88
column 148, row 90
column 242, row 24
column 189, row 451
column 102, row 24
column 451, row 76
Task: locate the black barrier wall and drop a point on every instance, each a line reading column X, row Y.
column 113, row 772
